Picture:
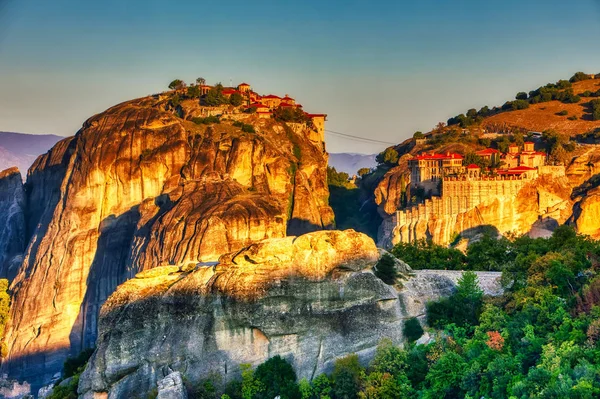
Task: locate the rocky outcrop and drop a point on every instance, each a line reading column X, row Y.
column 171, row 387
column 12, row 222
column 310, row 299
column 139, row 187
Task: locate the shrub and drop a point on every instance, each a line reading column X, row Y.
column 521, row 95
column 562, row 113
column 595, row 106
column 386, row 269
column 572, row 118
column 209, row 120
column 579, row 76
column 412, row 330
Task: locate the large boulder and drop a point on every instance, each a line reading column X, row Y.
column 311, row 299
column 137, row 187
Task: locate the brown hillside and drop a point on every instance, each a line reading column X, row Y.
column 542, row 116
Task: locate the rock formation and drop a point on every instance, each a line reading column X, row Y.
column 519, row 207
column 12, row 222
column 139, row 187
column 310, row 299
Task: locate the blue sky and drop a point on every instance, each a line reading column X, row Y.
column 379, row 69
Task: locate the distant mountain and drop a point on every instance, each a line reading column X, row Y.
column 20, row 150
column 350, row 162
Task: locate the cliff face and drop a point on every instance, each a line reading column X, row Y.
column 309, row 299
column 512, row 206
column 139, row 187
column 12, row 222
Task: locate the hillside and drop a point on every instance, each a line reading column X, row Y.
column 544, row 116
column 560, row 121
column 21, row 150
column 155, row 181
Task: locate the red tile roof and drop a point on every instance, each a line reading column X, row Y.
column 472, row 166
column 272, row 96
column 257, row 105
column 487, row 151
column 243, row 84
column 316, row 115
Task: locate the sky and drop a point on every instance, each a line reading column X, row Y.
column 379, row 69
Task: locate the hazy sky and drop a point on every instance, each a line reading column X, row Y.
column 379, row 69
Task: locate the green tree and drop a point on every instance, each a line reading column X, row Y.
column 389, row 358
column 200, row 81
column 445, row 376
column 177, row 84
column 277, row 377
column 193, row 91
column 388, row 157
column 412, row 330
column 386, row 269
column 363, row 171
column 418, row 135
column 236, row 99
column 215, row 96
column 251, row 386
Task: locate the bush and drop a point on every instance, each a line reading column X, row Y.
column 4, row 305
column 595, row 106
column 209, row 120
column 562, row 113
column 244, row 127
column 579, row 76
column 573, row 118
column 412, row 330
column 386, row 269
column 521, row 96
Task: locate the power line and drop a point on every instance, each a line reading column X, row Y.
column 358, row 138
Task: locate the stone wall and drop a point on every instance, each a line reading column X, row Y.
column 467, row 203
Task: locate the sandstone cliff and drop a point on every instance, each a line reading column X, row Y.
column 310, row 299
column 519, row 207
column 12, row 222
column 139, row 187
